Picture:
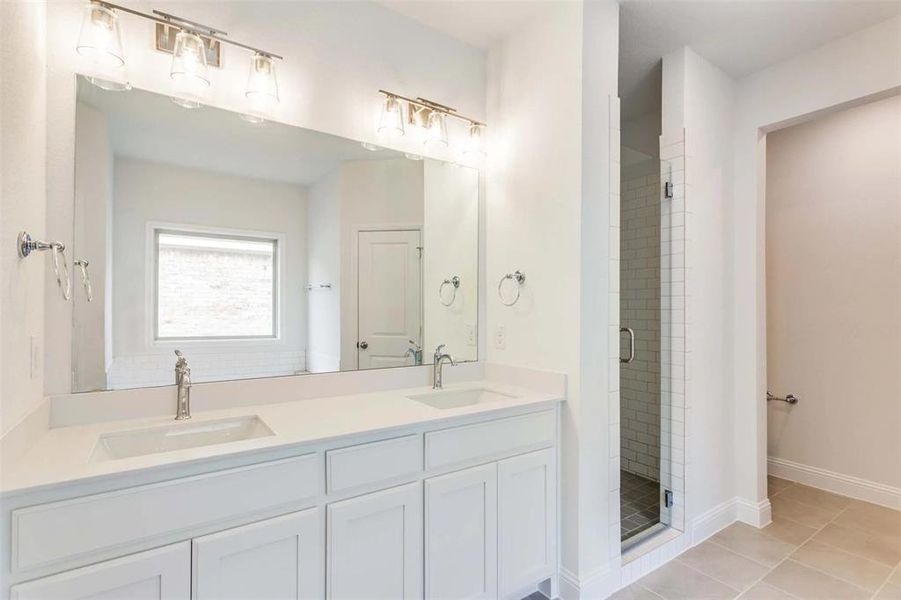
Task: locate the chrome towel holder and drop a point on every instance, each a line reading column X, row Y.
column 26, row 245
column 519, row 278
column 790, row 399
column 454, row 282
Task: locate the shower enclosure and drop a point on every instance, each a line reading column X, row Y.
column 645, row 499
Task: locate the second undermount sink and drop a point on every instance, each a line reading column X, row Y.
column 457, row 398
column 177, row 436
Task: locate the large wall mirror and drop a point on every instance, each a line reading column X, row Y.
column 259, row 250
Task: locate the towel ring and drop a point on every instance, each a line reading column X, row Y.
column 520, row 278
column 26, row 245
column 453, row 281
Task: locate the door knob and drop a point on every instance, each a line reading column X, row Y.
column 363, row 345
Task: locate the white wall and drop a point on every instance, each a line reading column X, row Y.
column 372, row 193
column 337, row 55
column 833, row 281
column 23, row 129
column 846, row 71
column 147, row 192
column 324, row 268
column 548, row 213
column 451, row 242
column 93, row 241
column 709, row 106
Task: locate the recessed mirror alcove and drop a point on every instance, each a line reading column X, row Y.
column 259, row 250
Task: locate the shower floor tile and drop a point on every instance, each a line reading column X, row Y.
column 639, row 504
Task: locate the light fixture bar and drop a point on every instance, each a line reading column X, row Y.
column 424, row 103
column 187, row 25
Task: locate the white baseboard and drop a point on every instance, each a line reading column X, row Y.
column 838, row 483
column 596, row 584
column 717, row 518
column 757, row 514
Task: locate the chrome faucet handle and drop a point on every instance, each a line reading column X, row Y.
column 182, row 362
column 439, row 350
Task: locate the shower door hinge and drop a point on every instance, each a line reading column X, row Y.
column 668, row 190
column 667, row 498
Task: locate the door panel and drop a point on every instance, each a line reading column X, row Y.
column 461, row 534
column 159, row 574
column 389, row 297
column 374, row 546
column 527, row 515
column 278, row 559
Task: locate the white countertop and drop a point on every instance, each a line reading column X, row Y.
column 63, row 454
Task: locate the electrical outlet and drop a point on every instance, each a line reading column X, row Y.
column 500, row 337
column 35, row 354
column 471, row 335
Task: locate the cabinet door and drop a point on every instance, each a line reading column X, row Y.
column 527, row 516
column 374, row 545
column 279, row 558
column 461, row 534
column 159, row 574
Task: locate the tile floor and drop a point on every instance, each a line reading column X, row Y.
column 639, row 500
column 820, row 546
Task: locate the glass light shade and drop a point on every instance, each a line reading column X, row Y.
column 100, row 39
column 391, row 123
column 371, row 147
column 110, row 85
column 262, row 86
column 189, row 69
column 475, row 145
column 436, row 130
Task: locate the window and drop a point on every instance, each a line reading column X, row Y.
column 215, row 286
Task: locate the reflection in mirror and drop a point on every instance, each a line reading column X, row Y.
column 260, row 250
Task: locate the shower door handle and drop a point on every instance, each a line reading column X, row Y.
column 631, row 344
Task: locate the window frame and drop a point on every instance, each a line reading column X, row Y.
column 154, row 229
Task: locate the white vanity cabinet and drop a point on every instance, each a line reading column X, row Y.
column 275, row 559
column 159, row 574
column 527, row 526
column 461, row 534
column 462, row 509
column 374, row 545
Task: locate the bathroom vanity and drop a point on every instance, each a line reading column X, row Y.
column 397, row 494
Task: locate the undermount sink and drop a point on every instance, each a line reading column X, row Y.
column 457, row 398
column 178, row 436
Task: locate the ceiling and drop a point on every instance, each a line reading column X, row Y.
column 147, row 126
column 739, row 36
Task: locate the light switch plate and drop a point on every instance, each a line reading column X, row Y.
column 35, row 354
column 500, row 337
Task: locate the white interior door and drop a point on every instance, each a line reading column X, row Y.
column 279, row 559
column 389, row 297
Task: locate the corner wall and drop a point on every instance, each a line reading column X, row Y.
column 23, row 130
column 550, row 179
column 860, row 67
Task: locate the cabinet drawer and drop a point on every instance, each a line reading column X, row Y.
column 67, row 532
column 490, row 440
column 368, row 464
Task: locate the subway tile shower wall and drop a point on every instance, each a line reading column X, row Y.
column 157, row 369
column 640, row 310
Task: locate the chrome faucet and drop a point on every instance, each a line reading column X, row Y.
column 183, row 383
column 439, row 359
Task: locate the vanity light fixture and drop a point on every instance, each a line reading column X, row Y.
column 428, row 119
column 100, row 40
column 262, row 88
column 189, row 69
column 194, row 45
column 391, row 124
column 475, row 144
column 436, row 130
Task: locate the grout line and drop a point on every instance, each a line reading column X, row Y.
column 885, row 583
